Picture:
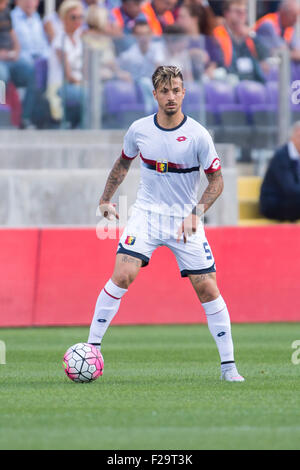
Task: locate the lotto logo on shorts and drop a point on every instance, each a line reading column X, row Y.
column 130, row 240
column 162, row 167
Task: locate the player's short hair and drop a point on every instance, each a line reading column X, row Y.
column 164, row 73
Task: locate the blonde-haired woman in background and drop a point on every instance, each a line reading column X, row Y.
column 97, row 36
column 65, row 91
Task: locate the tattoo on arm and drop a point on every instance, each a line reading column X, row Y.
column 115, row 178
column 213, row 190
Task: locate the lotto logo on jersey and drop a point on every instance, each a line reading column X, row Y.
column 130, row 240
column 182, row 138
column 162, row 167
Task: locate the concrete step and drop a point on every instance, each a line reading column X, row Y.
column 69, row 197
column 58, row 156
column 57, row 136
column 56, row 197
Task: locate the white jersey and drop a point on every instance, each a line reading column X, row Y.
column 170, row 163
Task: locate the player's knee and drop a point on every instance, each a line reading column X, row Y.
column 208, row 291
column 123, row 279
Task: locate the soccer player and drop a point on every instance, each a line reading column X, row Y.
column 172, row 148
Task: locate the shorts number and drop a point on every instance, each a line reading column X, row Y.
column 207, row 251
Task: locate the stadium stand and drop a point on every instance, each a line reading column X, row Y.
column 5, row 116
column 248, row 202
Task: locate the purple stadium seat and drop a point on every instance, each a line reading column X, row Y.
column 121, row 96
column 272, row 89
column 41, row 73
column 221, row 99
column 295, row 71
column 193, row 96
column 217, row 93
column 250, row 93
column 122, row 104
column 273, row 74
column 5, row 116
column 194, row 103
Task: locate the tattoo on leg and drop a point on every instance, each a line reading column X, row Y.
column 130, row 259
column 201, row 277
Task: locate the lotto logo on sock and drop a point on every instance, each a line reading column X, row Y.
column 130, row 240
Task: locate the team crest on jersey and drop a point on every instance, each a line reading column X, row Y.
column 182, row 138
column 162, row 166
column 130, row 240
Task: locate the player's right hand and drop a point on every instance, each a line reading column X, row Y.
column 108, row 210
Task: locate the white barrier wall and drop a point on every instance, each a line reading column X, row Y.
column 56, row 178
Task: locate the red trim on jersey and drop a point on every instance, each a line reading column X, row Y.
column 215, row 166
column 125, row 156
column 117, row 298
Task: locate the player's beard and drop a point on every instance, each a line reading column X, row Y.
column 171, row 111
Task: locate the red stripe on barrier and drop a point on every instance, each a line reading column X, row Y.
column 18, row 254
column 257, row 269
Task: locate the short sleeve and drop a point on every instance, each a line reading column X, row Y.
column 207, row 154
column 130, row 148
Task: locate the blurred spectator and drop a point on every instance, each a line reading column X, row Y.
column 216, row 5
column 95, row 36
column 279, row 28
column 141, row 59
column 14, row 68
column 175, row 51
column 280, row 192
column 108, row 4
column 128, row 14
column 243, row 52
column 198, row 23
column 159, row 14
column 267, row 6
column 112, row 27
column 96, row 18
column 64, row 89
column 29, row 29
column 52, row 23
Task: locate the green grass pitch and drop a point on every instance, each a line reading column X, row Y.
column 160, row 390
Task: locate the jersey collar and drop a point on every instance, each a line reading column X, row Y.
column 173, row 128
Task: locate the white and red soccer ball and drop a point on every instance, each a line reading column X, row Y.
column 83, row 362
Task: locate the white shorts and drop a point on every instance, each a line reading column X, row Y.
column 146, row 231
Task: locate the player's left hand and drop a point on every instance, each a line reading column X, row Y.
column 188, row 227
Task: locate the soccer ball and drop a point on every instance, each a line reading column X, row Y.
column 83, row 362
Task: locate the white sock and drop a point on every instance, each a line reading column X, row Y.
column 107, row 305
column 218, row 321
